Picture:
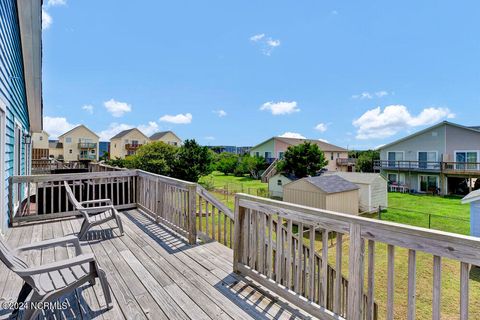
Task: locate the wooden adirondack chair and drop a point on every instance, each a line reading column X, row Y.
column 93, row 215
column 51, row 281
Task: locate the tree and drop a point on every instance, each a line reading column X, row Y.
column 252, row 165
column 366, row 159
column 192, row 161
column 303, row 160
column 226, row 162
column 156, row 157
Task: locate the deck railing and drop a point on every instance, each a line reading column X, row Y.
column 437, row 166
column 300, row 278
column 43, row 166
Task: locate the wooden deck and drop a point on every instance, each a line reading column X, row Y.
column 153, row 274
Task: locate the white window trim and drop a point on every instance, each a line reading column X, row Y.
column 398, row 175
column 418, row 158
column 393, row 151
column 427, row 175
column 465, row 151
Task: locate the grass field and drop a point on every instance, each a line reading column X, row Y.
column 219, row 181
column 446, row 214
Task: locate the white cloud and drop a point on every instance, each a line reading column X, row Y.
column 257, row 37
column 177, row 119
column 117, row 108
column 295, row 135
column 267, row 44
column 88, row 108
column 370, row 95
column 221, row 113
column 112, row 130
column 53, row 3
column 56, row 126
column 280, row 108
column 46, row 20
column 322, row 127
column 378, row 123
column 150, row 128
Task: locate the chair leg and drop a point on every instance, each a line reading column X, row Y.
column 119, row 223
column 22, row 296
column 106, row 289
column 83, row 230
column 32, row 313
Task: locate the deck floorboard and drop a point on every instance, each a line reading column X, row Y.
column 153, row 274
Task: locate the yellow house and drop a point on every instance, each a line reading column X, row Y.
column 40, row 145
column 80, row 143
column 55, row 149
column 126, row 143
column 168, row 137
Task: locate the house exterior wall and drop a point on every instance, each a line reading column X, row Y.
column 431, row 140
column 279, row 146
column 55, row 153
column 267, row 146
column 344, row 202
column 332, row 160
column 117, row 146
column 13, row 105
column 40, row 140
column 171, row 139
column 70, row 141
column 274, row 189
column 458, row 139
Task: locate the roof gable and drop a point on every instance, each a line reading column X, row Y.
column 78, row 127
column 324, row 146
column 123, row 133
column 159, row 135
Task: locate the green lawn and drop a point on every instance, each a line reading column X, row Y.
column 446, row 214
column 236, row 184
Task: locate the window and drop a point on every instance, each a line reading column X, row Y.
column 268, row 155
column 135, row 142
column 40, row 138
column 70, row 151
column 426, row 159
column 428, row 183
column 394, row 158
column 466, row 160
column 279, row 182
column 396, row 178
column 331, row 155
column 68, row 140
column 281, row 154
column 174, row 143
column 257, row 154
column 338, row 155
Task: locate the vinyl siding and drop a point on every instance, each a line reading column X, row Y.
column 12, row 87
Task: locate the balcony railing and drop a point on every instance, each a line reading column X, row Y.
column 346, row 161
column 435, row 166
column 284, row 247
column 87, row 145
column 90, row 157
column 132, row 146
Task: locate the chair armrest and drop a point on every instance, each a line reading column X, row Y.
column 107, row 201
column 95, row 210
column 51, row 243
column 57, row 265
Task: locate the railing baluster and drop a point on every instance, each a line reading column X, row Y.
column 371, row 279
column 269, row 263
column 311, row 255
column 324, row 280
column 338, row 276
column 437, row 287
column 390, row 281
column 412, row 279
column 278, row 248
column 464, row 287
column 298, row 275
column 288, row 273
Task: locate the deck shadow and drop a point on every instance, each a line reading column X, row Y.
column 249, row 296
column 168, row 239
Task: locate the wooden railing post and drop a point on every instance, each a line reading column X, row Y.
column 192, row 214
column 10, row 202
column 355, row 281
column 237, row 235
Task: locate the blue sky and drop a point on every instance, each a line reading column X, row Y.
column 355, row 73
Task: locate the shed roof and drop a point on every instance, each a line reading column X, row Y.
column 357, row 177
column 472, row 197
column 332, row 183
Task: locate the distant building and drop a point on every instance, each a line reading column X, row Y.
column 276, row 183
column 126, row 143
column 243, row 150
column 78, row 144
column 230, row 149
column 443, row 158
column 55, row 149
column 103, row 148
column 275, row 147
column 40, row 145
column 169, row 137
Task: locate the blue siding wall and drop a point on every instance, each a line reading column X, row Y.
column 12, row 87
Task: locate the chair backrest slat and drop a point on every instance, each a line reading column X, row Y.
column 71, row 196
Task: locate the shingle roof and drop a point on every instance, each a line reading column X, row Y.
column 324, row 146
column 54, row 144
column 79, row 126
column 332, row 183
column 122, row 133
column 357, row 177
column 159, row 135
